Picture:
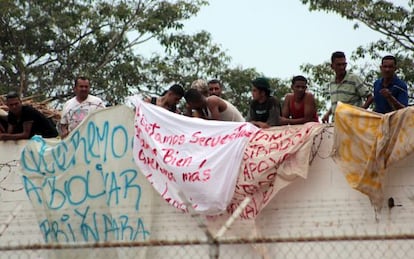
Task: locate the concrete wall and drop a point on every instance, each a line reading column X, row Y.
column 320, row 207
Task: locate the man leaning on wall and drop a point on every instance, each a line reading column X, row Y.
column 76, row 109
column 346, row 87
column 25, row 121
column 390, row 92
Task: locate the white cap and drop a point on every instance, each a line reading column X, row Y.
column 3, row 113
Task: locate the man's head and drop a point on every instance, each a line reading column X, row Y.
column 388, row 66
column 174, row 94
column 194, row 99
column 338, row 63
column 261, row 88
column 299, row 86
column 215, row 87
column 81, row 88
column 201, row 86
column 14, row 103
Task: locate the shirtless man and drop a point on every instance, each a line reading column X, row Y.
column 212, row 107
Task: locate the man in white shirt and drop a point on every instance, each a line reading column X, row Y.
column 77, row 108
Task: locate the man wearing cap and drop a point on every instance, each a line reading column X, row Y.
column 201, row 86
column 264, row 109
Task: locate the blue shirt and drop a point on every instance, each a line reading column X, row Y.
column 398, row 89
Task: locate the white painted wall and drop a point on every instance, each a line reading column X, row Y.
column 321, row 206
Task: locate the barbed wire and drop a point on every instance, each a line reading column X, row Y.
column 317, row 142
column 8, row 168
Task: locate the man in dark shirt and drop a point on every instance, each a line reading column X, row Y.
column 3, row 121
column 390, row 92
column 169, row 99
column 3, row 125
column 24, row 121
column 264, row 109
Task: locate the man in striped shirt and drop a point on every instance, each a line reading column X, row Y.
column 346, row 87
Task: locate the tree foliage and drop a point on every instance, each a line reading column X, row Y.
column 395, row 22
column 44, row 44
column 187, row 58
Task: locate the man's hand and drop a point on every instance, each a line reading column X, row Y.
column 283, row 120
column 393, row 102
column 385, row 92
column 325, row 118
column 260, row 124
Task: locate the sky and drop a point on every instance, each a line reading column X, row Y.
column 277, row 36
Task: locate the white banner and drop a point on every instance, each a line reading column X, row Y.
column 87, row 188
column 189, row 159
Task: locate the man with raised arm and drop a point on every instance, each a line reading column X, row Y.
column 390, row 92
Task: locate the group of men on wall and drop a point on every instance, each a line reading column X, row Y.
column 390, row 92
column 23, row 121
column 205, row 100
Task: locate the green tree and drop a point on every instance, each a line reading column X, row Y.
column 45, row 44
column 394, row 21
column 188, row 57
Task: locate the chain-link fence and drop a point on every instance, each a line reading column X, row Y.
column 340, row 247
column 286, row 229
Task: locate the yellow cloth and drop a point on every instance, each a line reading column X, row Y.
column 367, row 143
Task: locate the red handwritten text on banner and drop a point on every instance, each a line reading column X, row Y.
column 187, row 159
